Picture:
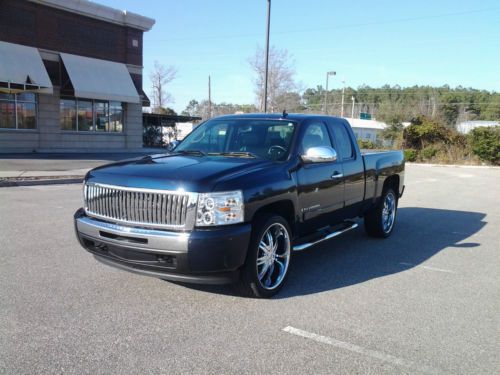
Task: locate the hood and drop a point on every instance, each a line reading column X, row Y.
column 172, row 172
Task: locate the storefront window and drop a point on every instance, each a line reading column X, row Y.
column 85, row 118
column 26, row 115
column 101, row 116
column 18, row 111
column 68, row 114
column 91, row 115
column 115, row 116
column 7, row 114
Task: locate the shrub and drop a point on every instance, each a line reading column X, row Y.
column 428, row 152
column 366, row 144
column 410, row 154
column 485, row 143
column 423, row 132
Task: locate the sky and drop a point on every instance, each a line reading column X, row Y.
column 408, row 43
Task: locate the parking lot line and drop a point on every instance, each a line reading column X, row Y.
column 427, row 267
column 360, row 350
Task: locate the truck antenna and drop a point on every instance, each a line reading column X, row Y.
column 284, row 114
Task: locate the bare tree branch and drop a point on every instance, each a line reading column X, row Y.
column 160, row 77
column 280, row 76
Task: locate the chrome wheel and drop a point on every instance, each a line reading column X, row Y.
column 273, row 256
column 389, row 212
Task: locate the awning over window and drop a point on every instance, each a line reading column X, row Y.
column 100, row 79
column 22, row 69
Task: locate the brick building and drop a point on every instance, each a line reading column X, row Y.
column 70, row 76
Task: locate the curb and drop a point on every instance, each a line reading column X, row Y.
column 36, row 182
column 453, row 165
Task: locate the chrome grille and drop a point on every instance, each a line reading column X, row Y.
column 154, row 208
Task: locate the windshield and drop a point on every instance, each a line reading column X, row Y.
column 268, row 139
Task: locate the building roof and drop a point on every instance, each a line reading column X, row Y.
column 366, row 124
column 466, row 126
column 101, row 12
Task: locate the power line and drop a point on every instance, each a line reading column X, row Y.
column 364, row 24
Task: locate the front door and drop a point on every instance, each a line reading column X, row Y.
column 320, row 185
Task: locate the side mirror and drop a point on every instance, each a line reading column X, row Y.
column 320, row 154
column 173, row 145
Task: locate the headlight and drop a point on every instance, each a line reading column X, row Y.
column 219, row 208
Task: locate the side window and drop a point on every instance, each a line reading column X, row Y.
column 315, row 135
column 342, row 141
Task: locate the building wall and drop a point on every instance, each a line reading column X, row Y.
column 18, row 140
column 53, row 31
column 49, row 137
column 36, row 25
column 366, row 133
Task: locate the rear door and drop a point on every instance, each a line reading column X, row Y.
column 354, row 174
column 321, row 192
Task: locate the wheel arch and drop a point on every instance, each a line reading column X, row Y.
column 393, row 182
column 284, row 208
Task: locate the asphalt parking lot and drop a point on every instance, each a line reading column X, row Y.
column 427, row 300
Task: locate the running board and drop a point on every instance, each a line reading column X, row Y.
column 331, row 235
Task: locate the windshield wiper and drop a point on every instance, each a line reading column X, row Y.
column 190, row 152
column 238, row 154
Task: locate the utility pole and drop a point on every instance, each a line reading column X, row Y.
column 209, row 98
column 342, row 109
column 328, row 74
column 267, row 52
column 352, row 111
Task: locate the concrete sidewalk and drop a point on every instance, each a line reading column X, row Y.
column 50, row 168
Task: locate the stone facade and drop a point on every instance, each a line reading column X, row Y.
column 49, row 137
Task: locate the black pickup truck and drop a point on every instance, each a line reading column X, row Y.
column 236, row 198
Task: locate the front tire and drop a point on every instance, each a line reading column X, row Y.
column 268, row 257
column 379, row 222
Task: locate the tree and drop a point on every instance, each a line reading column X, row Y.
column 290, row 101
column 423, row 132
column 160, row 77
column 280, row 76
column 393, row 133
column 191, row 108
column 485, row 143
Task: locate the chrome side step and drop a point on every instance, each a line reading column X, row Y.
column 331, row 235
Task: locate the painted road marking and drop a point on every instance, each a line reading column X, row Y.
column 427, row 267
column 360, row 350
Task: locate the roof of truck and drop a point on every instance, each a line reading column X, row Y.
column 278, row 116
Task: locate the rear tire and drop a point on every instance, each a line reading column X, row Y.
column 379, row 222
column 268, row 257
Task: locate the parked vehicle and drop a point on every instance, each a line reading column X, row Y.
column 236, row 197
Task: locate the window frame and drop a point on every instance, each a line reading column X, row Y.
column 16, row 117
column 94, row 117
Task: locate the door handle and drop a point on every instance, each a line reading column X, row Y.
column 337, row 175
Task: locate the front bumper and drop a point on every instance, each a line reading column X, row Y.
column 209, row 256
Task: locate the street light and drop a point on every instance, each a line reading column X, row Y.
column 328, row 74
column 342, row 109
column 267, row 52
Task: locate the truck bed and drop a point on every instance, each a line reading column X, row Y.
column 378, row 165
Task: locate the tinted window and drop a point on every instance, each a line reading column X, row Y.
column 342, row 141
column 315, row 135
